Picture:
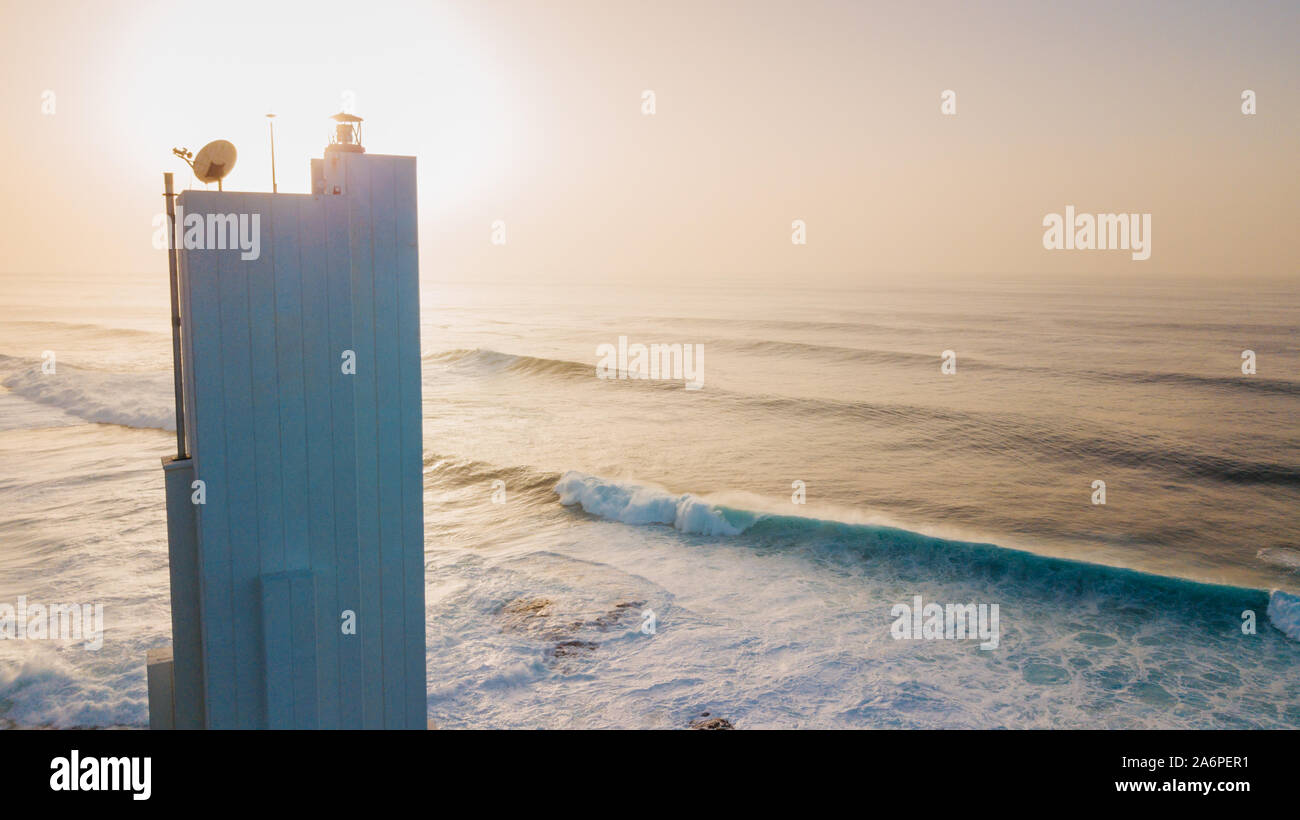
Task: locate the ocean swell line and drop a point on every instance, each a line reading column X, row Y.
column 643, row 504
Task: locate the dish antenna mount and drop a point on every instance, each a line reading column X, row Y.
column 214, row 161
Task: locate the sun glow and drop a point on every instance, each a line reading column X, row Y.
column 420, row 86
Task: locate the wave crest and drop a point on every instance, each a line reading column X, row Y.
column 1284, row 613
column 643, row 504
column 129, row 399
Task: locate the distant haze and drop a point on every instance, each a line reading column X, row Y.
column 531, row 113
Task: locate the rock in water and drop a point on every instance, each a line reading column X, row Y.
column 712, row 724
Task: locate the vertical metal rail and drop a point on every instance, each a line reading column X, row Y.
column 270, row 119
column 176, row 315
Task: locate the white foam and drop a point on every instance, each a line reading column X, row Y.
column 40, row 687
column 1284, row 613
column 642, row 504
column 1280, row 557
column 139, row 399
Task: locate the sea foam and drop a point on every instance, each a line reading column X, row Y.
column 142, row 399
column 633, row 503
column 1284, row 613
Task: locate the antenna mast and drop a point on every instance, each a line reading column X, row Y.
column 176, row 314
column 271, row 122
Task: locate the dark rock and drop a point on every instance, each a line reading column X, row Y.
column 569, row 648
column 712, row 724
column 534, row 615
column 528, row 606
column 615, row 616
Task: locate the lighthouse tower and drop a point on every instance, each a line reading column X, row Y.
column 295, row 512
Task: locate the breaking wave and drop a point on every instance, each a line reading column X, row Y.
column 137, row 399
column 646, row 504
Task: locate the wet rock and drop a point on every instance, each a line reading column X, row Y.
column 563, row 633
column 711, row 724
column 540, row 616
column 615, row 616
column 535, row 615
column 707, row 722
column 566, row 649
column 528, row 606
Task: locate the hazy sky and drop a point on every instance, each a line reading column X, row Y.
column 531, row 113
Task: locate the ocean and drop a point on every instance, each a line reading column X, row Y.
column 618, row 552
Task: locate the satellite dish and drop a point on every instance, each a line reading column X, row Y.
column 214, row 161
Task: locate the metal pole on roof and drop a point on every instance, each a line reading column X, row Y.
column 271, row 122
column 176, row 315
